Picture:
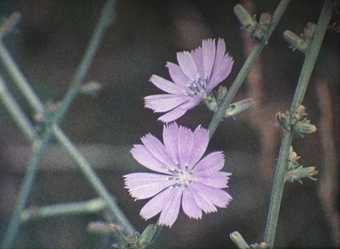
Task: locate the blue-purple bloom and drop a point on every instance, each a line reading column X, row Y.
column 182, row 178
column 199, row 71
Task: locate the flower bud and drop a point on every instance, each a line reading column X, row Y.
column 295, row 41
column 246, row 20
column 146, row 238
column 91, row 88
column 238, row 240
column 239, row 106
column 304, row 127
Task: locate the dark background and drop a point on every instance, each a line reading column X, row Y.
column 48, row 44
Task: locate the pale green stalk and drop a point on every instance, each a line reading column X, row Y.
column 42, row 144
column 15, row 111
column 281, row 167
column 242, row 75
column 85, row 167
column 74, row 208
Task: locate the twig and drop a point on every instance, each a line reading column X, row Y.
column 251, row 59
column 74, row 208
column 17, row 114
column 280, row 171
column 41, row 146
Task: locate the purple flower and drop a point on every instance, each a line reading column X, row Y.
column 198, row 72
column 182, row 178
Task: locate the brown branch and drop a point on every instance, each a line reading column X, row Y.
column 268, row 132
column 328, row 187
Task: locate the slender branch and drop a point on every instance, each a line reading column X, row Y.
column 250, row 61
column 280, row 171
column 41, row 146
column 17, row 114
column 85, row 167
column 96, row 183
column 74, row 208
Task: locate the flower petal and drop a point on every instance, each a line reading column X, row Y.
column 216, row 196
column 136, row 179
column 211, row 163
column 166, row 85
column 177, row 75
column 164, row 102
column 201, row 141
column 145, row 158
column 171, row 209
column 208, row 52
column 170, row 135
column 198, row 57
column 187, row 64
column 189, row 205
column 220, row 51
column 216, row 180
column 155, row 205
column 202, row 201
column 173, row 115
column 157, row 149
column 185, row 144
column 147, row 188
column 222, row 65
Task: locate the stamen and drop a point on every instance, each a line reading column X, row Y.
column 184, row 178
column 197, row 87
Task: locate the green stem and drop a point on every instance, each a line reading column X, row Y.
column 280, row 172
column 250, row 61
column 74, row 208
column 41, row 146
column 13, row 108
column 96, row 183
column 85, row 167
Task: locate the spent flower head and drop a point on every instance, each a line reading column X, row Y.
column 182, row 178
column 197, row 73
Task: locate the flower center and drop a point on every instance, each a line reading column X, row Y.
column 183, row 178
column 198, row 87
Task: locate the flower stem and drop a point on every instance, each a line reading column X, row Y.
column 250, row 61
column 14, row 109
column 74, row 208
column 41, row 145
column 83, row 164
column 280, row 172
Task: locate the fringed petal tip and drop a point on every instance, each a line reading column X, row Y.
column 164, row 224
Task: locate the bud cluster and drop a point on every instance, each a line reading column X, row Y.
column 296, row 171
column 296, row 121
column 257, row 29
column 300, row 42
